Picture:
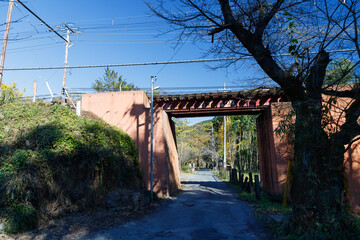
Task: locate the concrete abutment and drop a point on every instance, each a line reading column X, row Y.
column 130, row 111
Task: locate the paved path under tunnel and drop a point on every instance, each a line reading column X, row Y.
column 206, row 209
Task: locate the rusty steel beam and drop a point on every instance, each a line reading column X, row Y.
column 214, row 112
column 218, row 103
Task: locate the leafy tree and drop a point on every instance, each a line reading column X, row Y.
column 340, row 71
column 112, row 82
column 9, row 93
column 241, row 142
column 194, row 151
column 244, row 136
column 281, row 37
column 181, row 135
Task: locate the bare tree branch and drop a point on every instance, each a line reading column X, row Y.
column 264, row 21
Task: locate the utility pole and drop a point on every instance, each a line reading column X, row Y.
column 6, row 36
column 224, row 126
column 65, row 65
column 224, row 138
column 214, row 161
column 68, row 29
column 153, row 78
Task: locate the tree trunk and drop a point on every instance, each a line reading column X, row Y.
column 316, row 173
column 317, row 170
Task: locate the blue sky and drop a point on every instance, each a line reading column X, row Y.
column 109, row 32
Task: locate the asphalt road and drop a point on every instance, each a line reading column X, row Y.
column 206, row 209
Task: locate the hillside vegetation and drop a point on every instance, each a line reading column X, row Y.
column 53, row 162
column 206, row 145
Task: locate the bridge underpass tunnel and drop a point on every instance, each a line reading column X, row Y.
column 266, row 107
column 251, row 143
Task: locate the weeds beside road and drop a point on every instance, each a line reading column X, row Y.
column 269, row 209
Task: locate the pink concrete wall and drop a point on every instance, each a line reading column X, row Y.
column 352, row 165
column 283, row 152
column 274, row 151
column 267, row 165
column 130, row 111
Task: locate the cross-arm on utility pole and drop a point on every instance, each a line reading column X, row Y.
column 6, row 36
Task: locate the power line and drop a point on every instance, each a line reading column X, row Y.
column 32, row 46
column 109, row 18
column 172, row 56
column 126, row 33
column 219, row 88
column 151, row 23
column 133, row 42
column 160, row 63
column 31, row 49
column 126, row 64
column 42, row 21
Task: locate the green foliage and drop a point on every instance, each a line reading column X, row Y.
column 158, row 92
column 266, row 204
column 340, row 71
column 241, row 141
column 190, row 151
column 206, row 143
column 293, row 35
column 21, row 218
column 286, row 127
column 112, row 82
column 9, row 93
column 330, row 226
column 48, row 155
column 186, row 169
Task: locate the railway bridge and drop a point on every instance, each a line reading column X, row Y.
column 130, row 111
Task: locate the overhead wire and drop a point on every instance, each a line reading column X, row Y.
column 129, row 31
column 160, row 63
column 133, row 26
column 183, row 43
column 128, row 24
column 109, row 18
column 41, row 20
column 168, row 90
column 186, row 88
column 101, row 33
column 32, row 46
column 146, row 42
column 125, row 33
column 44, row 54
column 122, row 24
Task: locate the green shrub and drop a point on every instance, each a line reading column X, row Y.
column 21, row 218
column 331, row 226
column 186, row 168
column 51, row 157
column 9, row 93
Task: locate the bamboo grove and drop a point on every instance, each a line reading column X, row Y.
column 206, row 145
